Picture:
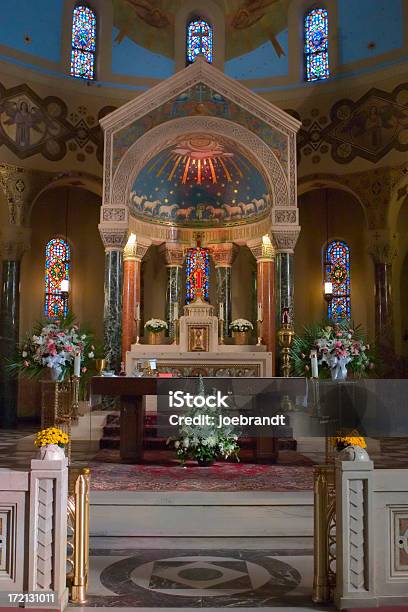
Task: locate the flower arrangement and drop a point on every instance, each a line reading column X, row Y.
column 155, row 325
column 205, row 443
column 53, row 344
column 241, row 325
column 51, row 435
column 341, row 442
column 338, row 344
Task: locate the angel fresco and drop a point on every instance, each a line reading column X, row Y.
column 249, row 24
column 23, row 119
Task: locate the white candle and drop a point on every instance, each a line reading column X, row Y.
column 259, row 311
column 77, row 365
column 138, row 311
column 314, row 364
column 221, row 312
column 175, row 311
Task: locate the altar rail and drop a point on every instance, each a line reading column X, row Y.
column 33, row 530
column 361, row 535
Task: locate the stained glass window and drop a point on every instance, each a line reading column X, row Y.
column 337, row 271
column 57, row 257
column 197, row 274
column 317, row 45
column 83, row 42
column 199, row 40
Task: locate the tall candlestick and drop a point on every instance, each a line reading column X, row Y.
column 221, row 312
column 175, row 312
column 314, row 364
column 259, row 317
column 77, row 364
column 138, row 311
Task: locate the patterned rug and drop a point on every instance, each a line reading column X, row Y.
column 163, row 473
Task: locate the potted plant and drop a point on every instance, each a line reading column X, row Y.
column 205, row 442
column 339, row 345
column 51, row 443
column 241, row 330
column 155, row 329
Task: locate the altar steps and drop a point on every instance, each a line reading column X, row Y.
column 201, row 514
column 110, row 438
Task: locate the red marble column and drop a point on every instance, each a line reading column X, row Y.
column 266, row 297
column 131, row 296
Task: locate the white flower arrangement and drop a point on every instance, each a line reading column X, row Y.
column 155, row 325
column 241, row 325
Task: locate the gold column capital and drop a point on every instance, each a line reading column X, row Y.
column 173, row 253
column 224, row 254
column 262, row 248
column 135, row 249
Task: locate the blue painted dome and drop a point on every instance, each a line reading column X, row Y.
column 199, row 182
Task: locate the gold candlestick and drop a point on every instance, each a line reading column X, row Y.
column 285, row 338
column 259, row 332
column 176, row 336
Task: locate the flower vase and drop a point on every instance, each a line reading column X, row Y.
column 55, row 374
column 51, row 452
column 154, row 337
column 205, row 462
column 241, row 337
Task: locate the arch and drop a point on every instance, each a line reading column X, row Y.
column 56, row 270
column 164, row 134
column 316, row 44
column 199, row 40
column 336, row 266
column 83, row 42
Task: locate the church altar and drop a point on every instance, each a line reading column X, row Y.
column 198, row 349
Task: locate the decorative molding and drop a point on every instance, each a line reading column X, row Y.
column 14, row 242
column 285, row 216
column 114, row 214
column 173, row 253
column 136, row 250
column 356, row 535
column 285, row 239
column 224, row 254
column 113, row 238
column 260, row 250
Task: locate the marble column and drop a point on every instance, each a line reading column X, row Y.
column 173, row 256
column 112, row 315
column 133, row 254
column 14, row 241
column 382, row 248
column 223, row 256
column 284, row 285
column 264, row 254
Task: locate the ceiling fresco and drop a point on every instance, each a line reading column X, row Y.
column 199, row 182
column 249, row 24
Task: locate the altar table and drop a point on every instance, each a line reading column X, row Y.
column 131, row 391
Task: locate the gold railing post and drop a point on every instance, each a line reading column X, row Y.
column 79, row 514
column 323, row 499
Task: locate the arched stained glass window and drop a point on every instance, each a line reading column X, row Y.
column 83, row 43
column 197, row 274
column 317, row 45
column 57, row 258
column 337, row 271
column 199, row 40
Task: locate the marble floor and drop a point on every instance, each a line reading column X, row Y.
column 182, row 579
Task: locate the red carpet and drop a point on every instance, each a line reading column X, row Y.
column 162, row 472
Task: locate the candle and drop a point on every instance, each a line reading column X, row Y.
column 259, row 318
column 175, row 311
column 77, row 365
column 221, row 312
column 138, row 311
column 314, row 365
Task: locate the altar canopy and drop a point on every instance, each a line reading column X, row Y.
column 201, row 167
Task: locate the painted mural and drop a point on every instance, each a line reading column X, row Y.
column 199, row 182
column 249, row 24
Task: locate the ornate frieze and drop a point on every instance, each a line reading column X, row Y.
column 262, row 249
column 173, row 253
column 113, row 238
column 285, row 239
column 114, row 214
column 136, row 250
column 224, row 254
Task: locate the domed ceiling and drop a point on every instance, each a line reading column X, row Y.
column 249, row 24
column 200, row 182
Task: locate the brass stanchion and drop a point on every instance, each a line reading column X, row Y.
column 221, row 330
column 324, row 495
column 285, row 338
column 78, row 512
